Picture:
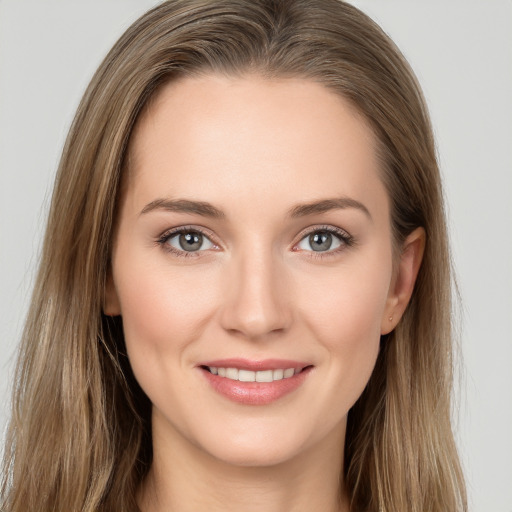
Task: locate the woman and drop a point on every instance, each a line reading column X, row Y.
column 244, row 295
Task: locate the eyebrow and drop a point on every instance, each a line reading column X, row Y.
column 208, row 210
column 184, row 206
column 325, row 205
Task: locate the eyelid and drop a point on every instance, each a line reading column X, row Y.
column 323, row 227
column 346, row 238
column 185, row 229
column 162, row 240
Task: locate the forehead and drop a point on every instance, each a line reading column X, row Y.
column 252, row 138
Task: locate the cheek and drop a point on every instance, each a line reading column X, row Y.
column 347, row 303
column 163, row 310
column 343, row 312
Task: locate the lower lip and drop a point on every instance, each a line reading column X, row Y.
column 255, row 393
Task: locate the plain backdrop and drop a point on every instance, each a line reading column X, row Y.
column 462, row 54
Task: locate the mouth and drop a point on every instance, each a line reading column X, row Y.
column 255, row 382
column 243, row 375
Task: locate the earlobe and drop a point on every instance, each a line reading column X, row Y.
column 402, row 286
column 111, row 306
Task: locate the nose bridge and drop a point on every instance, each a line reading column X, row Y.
column 256, row 303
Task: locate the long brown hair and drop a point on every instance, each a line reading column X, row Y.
column 79, row 438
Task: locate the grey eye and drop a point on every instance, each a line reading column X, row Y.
column 320, row 241
column 190, row 241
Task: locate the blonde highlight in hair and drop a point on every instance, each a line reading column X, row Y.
column 80, row 434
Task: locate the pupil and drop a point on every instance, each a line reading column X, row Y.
column 191, row 241
column 320, row 241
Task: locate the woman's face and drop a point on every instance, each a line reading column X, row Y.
column 253, row 244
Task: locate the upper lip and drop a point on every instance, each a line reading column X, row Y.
column 255, row 365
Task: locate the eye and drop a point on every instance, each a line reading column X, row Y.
column 324, row 240
column 186, row 240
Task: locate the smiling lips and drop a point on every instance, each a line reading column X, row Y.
column 255, row 382
column 252, row 376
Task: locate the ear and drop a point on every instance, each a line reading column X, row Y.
column 111, row 305
column 404, row 278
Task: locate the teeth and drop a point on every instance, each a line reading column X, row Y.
column 250, row 376
column 265, row 376
column 278, row 374
column 232, row 373
column 289, row 372
column 246, row 376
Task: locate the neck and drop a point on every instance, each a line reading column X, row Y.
column 183, row 478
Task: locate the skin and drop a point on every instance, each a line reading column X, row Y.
column 254, row 149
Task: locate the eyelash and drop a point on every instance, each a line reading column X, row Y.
column 346, row 240
column 165, row 237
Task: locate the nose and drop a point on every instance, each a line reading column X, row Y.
column 256, row 302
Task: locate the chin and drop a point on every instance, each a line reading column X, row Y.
column 261, row 445
column 256, row 457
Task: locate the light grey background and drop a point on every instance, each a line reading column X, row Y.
column 462, row 54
